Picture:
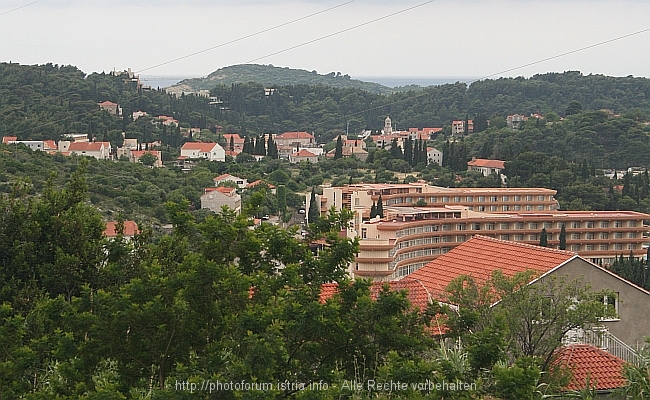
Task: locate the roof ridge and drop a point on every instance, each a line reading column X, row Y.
column 526, row 245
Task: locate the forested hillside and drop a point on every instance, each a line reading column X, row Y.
column 268, row 75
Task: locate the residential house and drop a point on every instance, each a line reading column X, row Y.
column 458, row 127
column 480, row 256
column 209, row 151
column 485, row 166
column 424, row 133
column 127, row 146
column 216, row 197
column 241, row 182
column 303, row 155
column 32, row 144
column 348, row 151
column 99, row 150
column 515, row 121
column 261, row 182
column 130, row 229
column 434, row 155
column 9, row 139
column 134, row 156
column 111, row 108
column 137, row 114
column 49, row 145
column 166, row 120
column 237, row 141
column 295, row 139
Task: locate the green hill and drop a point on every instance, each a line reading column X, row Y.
column 269, row 75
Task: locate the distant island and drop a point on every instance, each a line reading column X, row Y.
column 270, row 75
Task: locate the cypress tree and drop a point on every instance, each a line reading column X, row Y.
column 543, row 238
column 232, row 143
column 380, row 207
column 338, row 153
column 281, row 195
column 563, row 238
column 314, row 209
column 408, row 151
column 373, row 210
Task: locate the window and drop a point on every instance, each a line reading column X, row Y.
column 590, row 247
column 533, row 225
column 529, row 198
column 489, row 226
column 457, row 199
column 517, row 207
column 631, row 224
column 604, row 235
column 446, row 227
column 589, row 236
column 548, row 225
column 364, row 233
column 470, row 199
column 517, row 198
column 461, row 238
column 631, row 246
column 618, row 235
column 529, row 208
column 519, row 225
column 559, row 225
column 446, row 239
column 504, row 226
column 618, row 224
column 481, row 199
column 506, row 198
column 519, row 238
column 533, row 237
column 540, row 207
column 493, row 198
column 575, row 236
column 575, row 247
column 462, row 227
column 590, row 224
column 476, row 227
column 505, row 208
column 604, row 247
column 549, row 237
column 493, row 208
column 481, row 208
column 356, row 201
column 575, row 224
column 445, row 199
column 631, row 235
column 618, row 246
column 433, row 199
column 505, row 237
column 610, row 301
column 540, row 198
column 604, row 224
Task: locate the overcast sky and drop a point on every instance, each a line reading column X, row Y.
column 442, row 38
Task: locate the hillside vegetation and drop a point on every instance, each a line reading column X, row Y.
column 268, row 75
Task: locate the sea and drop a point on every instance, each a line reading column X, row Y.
column 166, row 81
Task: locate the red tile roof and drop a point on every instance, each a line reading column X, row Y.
column 130, row 229
column 481, row 255
column 49, row 144
column 304, row 153
column 88, row 146
column 140, row 153
column 260, row 182
column 295, row 135
column 202, row 147
column 107, row 103
column 483, row 163
column 592, row 365
column 7, row 139
column 236, row 139
column 416, row 292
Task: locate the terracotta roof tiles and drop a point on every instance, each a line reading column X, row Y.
column 200, row 146
column 481, row 255
column 591, row 365
column 482, row 162
column 416, row 292
column 130, row 229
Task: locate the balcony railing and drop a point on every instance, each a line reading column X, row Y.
column 601, row 338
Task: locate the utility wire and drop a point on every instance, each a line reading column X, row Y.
column 247, row 36
column 469, row 82
column 18, row 8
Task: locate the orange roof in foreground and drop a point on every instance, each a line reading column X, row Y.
column 7, row 139
column 482, row 162
column 130, row 229
column 591, row 364
column 417, row 293
column 481, row 255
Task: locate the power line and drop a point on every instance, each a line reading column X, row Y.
column 18, row 8
column 469, row 82
column 247, row 36
column 342, row 31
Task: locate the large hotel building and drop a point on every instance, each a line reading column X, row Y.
column 422, row 222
